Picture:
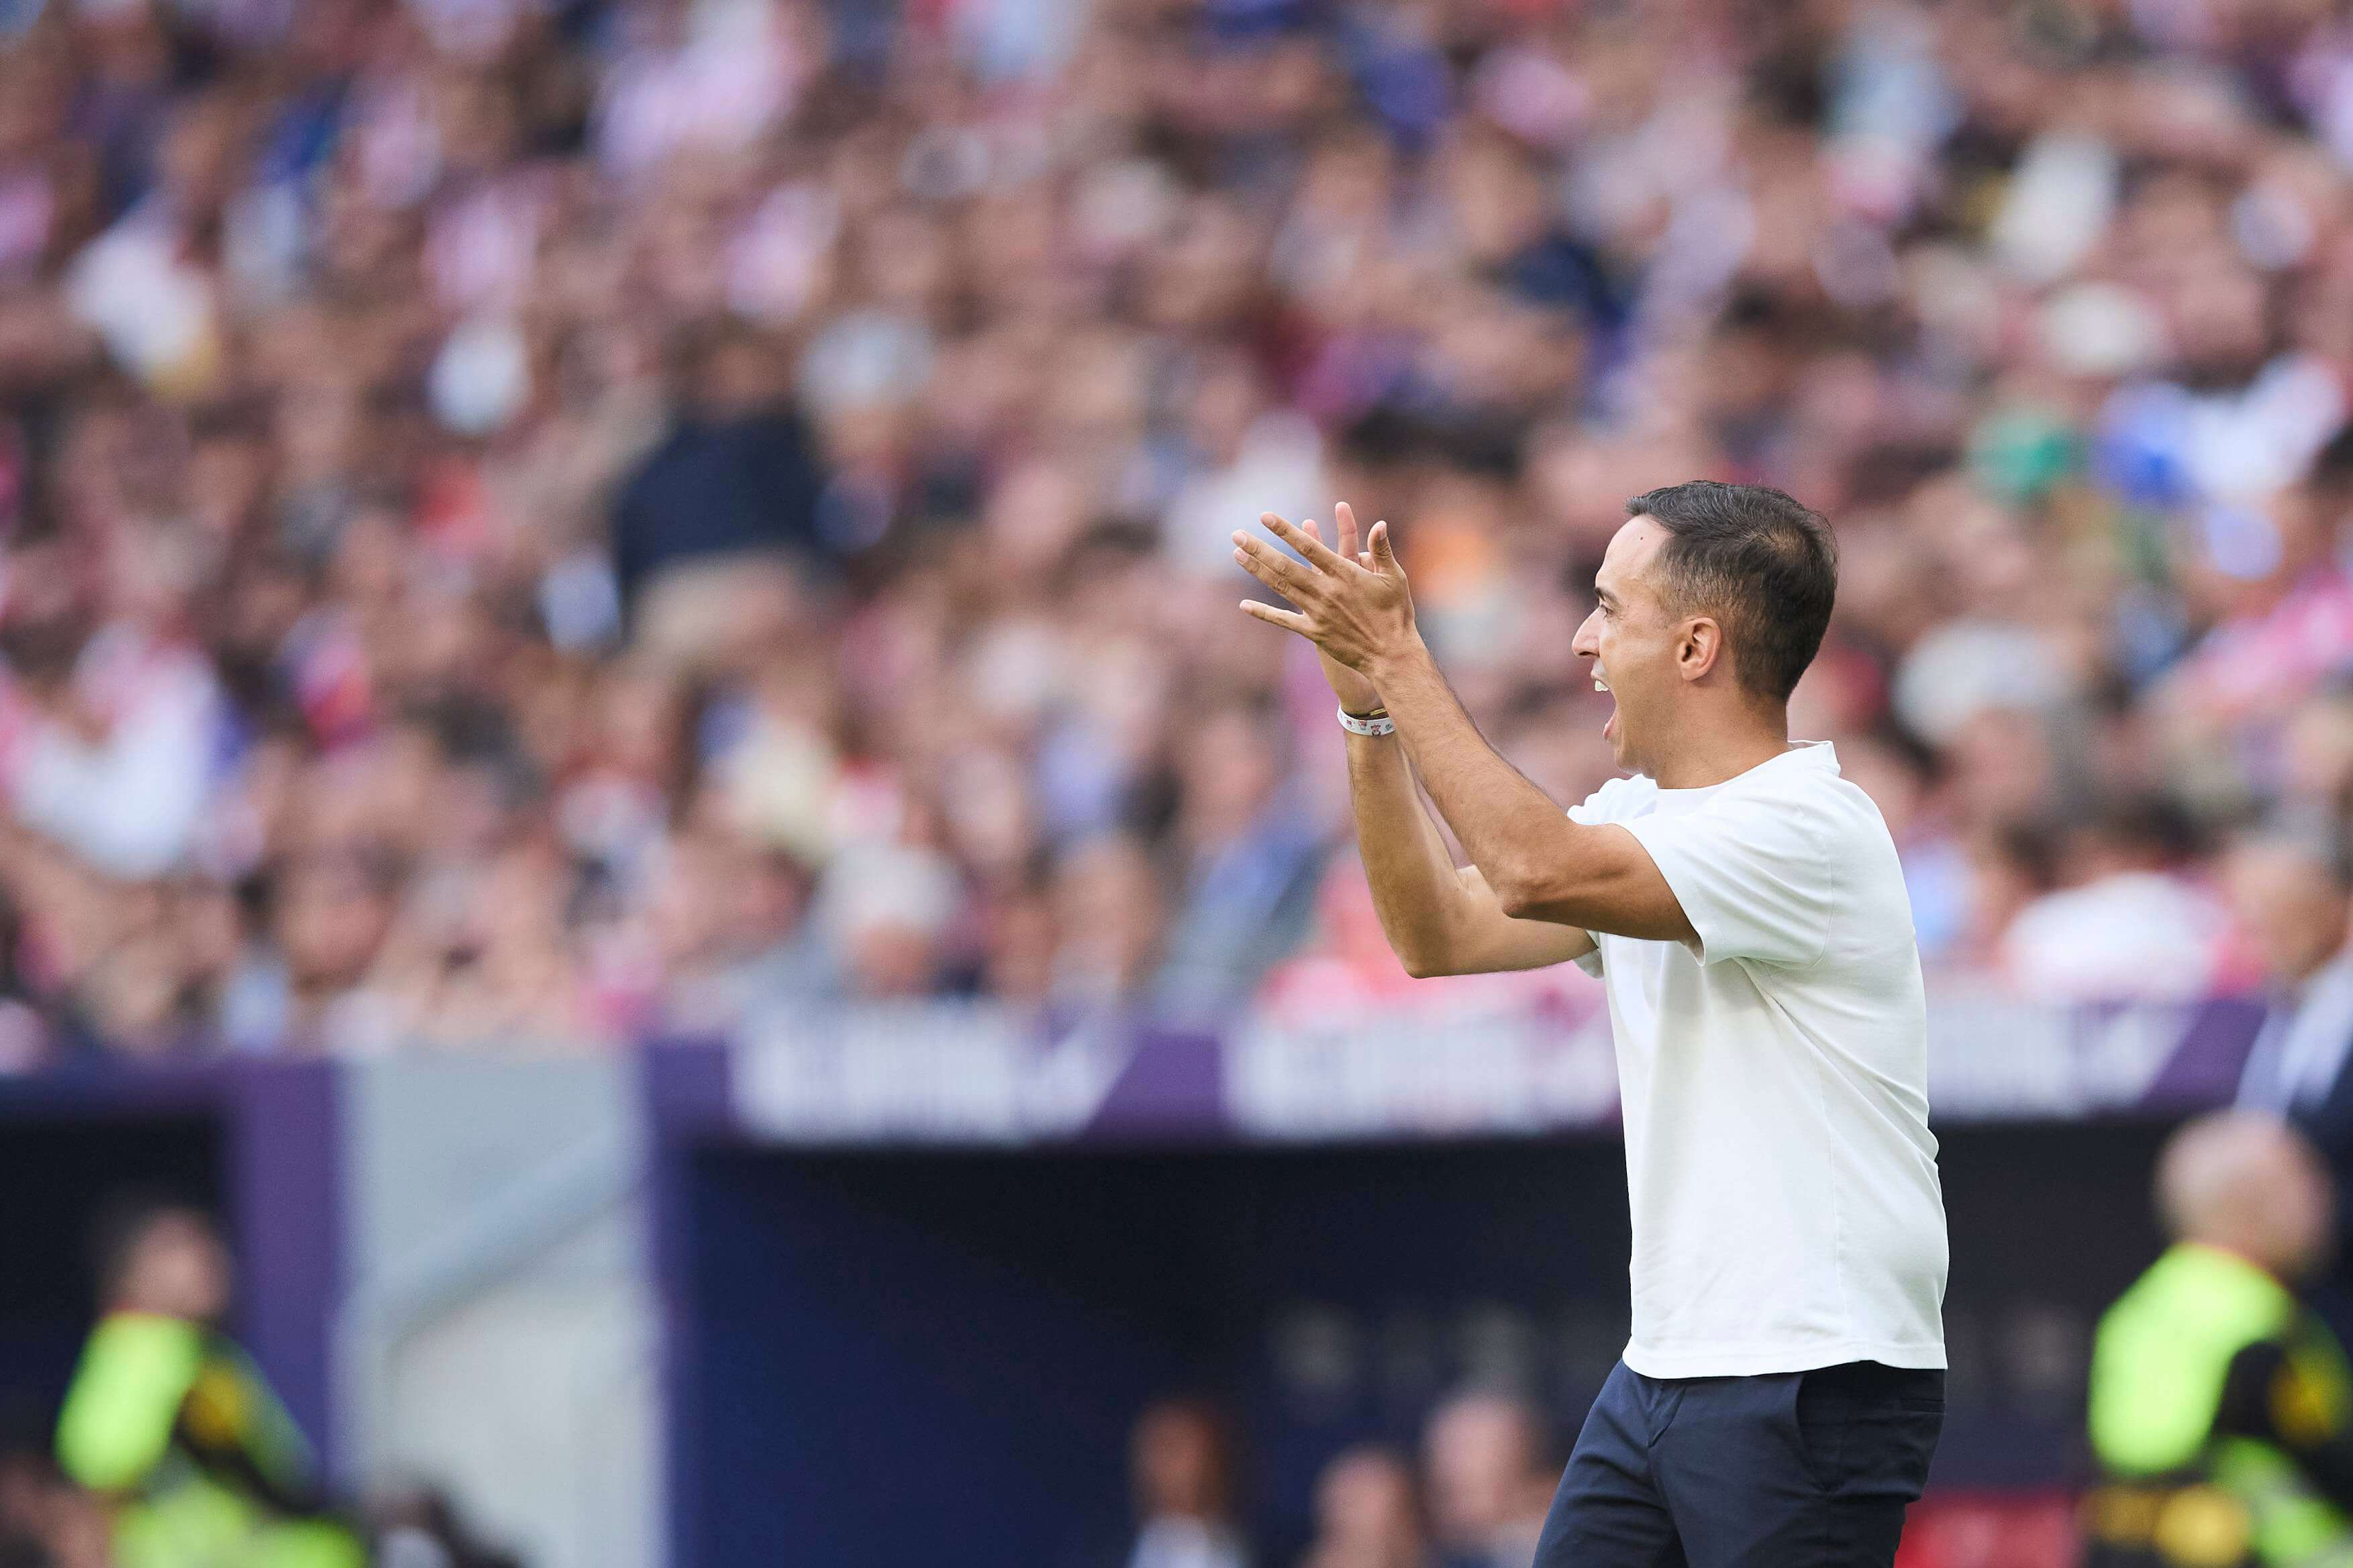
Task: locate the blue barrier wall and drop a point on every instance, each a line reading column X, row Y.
column 902, row 1349
column 886, row 1357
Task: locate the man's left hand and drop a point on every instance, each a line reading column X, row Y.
column 1360, row 615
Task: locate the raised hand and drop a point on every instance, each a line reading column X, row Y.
column 1355, row 692
column 1353, row 605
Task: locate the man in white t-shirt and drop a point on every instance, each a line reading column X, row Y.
column 1783, row 1389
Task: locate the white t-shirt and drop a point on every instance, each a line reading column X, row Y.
column 1774, row 1076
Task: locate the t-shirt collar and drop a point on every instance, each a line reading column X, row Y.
column 1800, row 754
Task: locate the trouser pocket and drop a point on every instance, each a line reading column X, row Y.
column 1869, row 1430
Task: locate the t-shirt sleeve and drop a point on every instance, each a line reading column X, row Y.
column 1601, row 805
column 1757, row 877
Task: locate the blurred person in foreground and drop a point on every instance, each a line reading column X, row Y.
column 173, row 1424
column 2222, row 1410
column 1182, row 1463
column 1366, row 1515
column 1743, row 907
column 1485, row 1462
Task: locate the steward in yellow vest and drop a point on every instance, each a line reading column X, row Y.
column 175, row 1427
column 2222, row 1410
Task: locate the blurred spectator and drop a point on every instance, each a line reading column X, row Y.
column 886, row 910
column 1183, row 1466
column 1366, row 1515
column 2286, row 613
column 712, row 535
column 733, row 939
column 2209, row 1379
column 1250, row 855
column 2127, row 925
column 1108, row 921
column 1489, row 1478
column 173, row 1424
column 2290, row 885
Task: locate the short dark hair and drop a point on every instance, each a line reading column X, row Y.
column 1760, row 562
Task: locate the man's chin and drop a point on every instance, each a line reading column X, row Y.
column 1613, row 729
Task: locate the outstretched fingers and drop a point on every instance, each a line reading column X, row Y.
column 1344, row 536
column 1306, row 543
column 1289, row 620
column 1271, row 567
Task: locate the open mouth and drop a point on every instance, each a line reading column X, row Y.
column 1608, row 725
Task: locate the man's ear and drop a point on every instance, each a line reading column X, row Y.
column 1700, row 647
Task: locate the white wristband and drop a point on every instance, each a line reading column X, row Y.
column 1383, row 725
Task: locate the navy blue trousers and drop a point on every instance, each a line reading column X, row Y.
column 1798, row 1469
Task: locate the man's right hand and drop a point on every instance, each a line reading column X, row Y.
column 1356, row 694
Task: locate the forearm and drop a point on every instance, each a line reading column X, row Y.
column 1514, row 833
column 1538, row 866
column 1413, row 879
column 1441, row 919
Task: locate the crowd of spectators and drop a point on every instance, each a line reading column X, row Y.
column 555, row 520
